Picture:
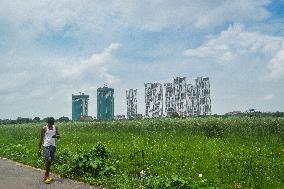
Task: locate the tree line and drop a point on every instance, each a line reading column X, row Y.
column 20, row 120
column 30, row 120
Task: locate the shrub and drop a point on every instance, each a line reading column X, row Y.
column 94, row 162
column 214, row 129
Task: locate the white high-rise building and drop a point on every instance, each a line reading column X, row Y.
column 203, row 98
column 184, row 99
column 180, row 90
column 131, row 100
column 190, row 100
column 153, row 99
column 169, row 99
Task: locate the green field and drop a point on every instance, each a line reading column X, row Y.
column 244, row 152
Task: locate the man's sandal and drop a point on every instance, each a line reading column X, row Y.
column 47, row 181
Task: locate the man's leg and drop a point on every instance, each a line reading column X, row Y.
column 51, row 157
column 47, row 168
column 47, row 158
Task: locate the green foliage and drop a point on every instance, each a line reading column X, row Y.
column 174, row 182
column 175, row 115
column 90, row 163
column 93, row 163
column 100, row 151
column 36, row 119
column 216, row 152
column 214, row 129
column 257, row 114
column 63, row 119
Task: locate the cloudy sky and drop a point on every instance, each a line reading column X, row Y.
column 51, row 49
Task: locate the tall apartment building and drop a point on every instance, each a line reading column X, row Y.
column 188, row 99
column 179, row 87
column 153, row 99
column 169, row 98
column 79, row 106
column 131, row 101
column 191, row 100
column 203, row 99
column 105, row 103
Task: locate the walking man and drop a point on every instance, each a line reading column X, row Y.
column 48, row 135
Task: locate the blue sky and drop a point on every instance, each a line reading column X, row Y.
column 50, row 50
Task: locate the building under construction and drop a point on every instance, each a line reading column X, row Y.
column 179, row 88
column 131, row 101
column 180, row 97
column 105, row 103
column 191, row 100
column 203, row 100
column 169, row 99
column 153, row 99
column 79, row 106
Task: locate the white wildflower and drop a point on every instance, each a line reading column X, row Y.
column 142, row 174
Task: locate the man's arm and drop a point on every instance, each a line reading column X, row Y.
column 57, row 135
column 42, row 132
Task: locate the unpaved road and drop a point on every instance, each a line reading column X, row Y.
column 14, row 175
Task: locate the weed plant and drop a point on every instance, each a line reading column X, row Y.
column 233, row 152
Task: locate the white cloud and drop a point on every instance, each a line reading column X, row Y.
column 97, row 16
column 268, row 97
column 235, row 45
column 35, row 84
column 37, row 74
column 37, row 92
column 242, row 11
column 96, row 64
column 11, row 81
column 156, row 15
column 107, row 77
column 276, row 64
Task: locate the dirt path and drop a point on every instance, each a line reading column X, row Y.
column 14, row 175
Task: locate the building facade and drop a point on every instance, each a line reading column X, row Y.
column 79, row 106
column 187, row 99
column 191, row 100
column 153, row 100
column 180, row 95
column 105, row 103
column 131, row 101
column 169, row 99
column 203, row 99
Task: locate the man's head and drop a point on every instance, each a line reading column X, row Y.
column 50, row 120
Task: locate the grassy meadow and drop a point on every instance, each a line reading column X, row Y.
column 234, row 152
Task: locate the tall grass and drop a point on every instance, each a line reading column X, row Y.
column 173, row 153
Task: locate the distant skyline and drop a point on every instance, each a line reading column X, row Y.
column 50, row 50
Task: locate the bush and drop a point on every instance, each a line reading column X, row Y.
column 175, row 115
column 214, row 129
column 175, row 182
column 63, row 119
column 92, row 163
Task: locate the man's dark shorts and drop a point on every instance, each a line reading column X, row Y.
column 49, row 153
